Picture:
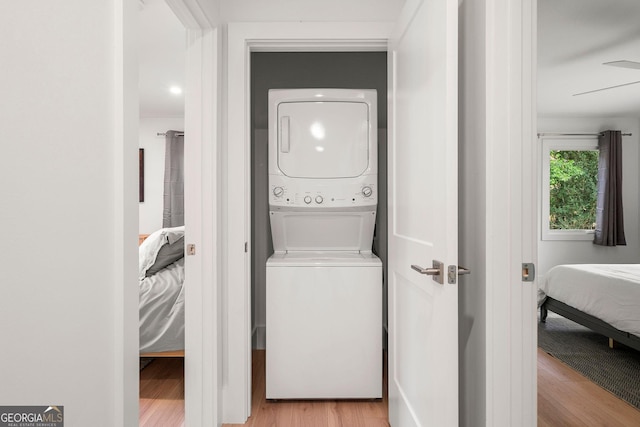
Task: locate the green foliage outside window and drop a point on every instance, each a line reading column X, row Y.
column 573, row 180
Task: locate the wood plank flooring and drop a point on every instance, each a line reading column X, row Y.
column 325, row 413
column 162, row 393
column 565, row 399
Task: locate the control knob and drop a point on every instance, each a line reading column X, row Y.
column 367, row 191
column 307, row 199
column 278, row 191
column 319, row 199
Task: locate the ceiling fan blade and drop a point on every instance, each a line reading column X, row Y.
column 624, row 64
column 606, row 88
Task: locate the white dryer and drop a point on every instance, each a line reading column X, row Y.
column 324, row 285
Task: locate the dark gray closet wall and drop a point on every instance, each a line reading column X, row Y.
column 281, row 70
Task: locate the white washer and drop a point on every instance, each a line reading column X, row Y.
column 324, row 326
column 324, row 286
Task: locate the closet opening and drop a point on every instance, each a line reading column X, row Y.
column 288, row 70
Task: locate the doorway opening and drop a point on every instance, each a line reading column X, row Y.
column 283, row 70
column 161, row 66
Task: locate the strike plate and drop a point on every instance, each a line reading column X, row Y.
column 452, row 273
column 528, row 272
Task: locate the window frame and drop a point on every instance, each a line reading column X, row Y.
column 561, row 144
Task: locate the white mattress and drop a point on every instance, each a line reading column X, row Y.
column 610, row 292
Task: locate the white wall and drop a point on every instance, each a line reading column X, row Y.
column 551, row 253
column 62, row 167
column 309, row 10
column 154, row 147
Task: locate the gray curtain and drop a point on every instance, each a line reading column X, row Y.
column 609, row 217
column 173, row 210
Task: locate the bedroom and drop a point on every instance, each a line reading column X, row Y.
column 579, row 94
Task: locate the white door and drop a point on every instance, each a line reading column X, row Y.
column 423, row 216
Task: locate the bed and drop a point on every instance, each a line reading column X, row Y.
column 602, row 297
column 161, row 293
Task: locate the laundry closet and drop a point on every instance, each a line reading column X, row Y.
column 317, row 70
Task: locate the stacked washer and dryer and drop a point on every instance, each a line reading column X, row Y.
column 324, row 284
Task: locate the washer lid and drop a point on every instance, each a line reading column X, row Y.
column 327, row 139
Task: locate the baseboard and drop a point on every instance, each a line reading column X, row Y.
column 259, row 337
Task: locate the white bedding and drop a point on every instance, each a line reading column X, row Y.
column 610, row 292
column 162, row 310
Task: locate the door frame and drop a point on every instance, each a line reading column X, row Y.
column 511, row 191
column 244, row 38
column 202, row 136
column 203, row 352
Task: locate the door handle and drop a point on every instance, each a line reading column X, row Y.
column 428, row 271
column 436, row 271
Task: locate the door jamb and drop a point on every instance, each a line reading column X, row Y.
column 243, row 38
column 203, row 357
column 511, row 334
column 202, row 349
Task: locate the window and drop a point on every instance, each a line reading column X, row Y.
column 569, row 188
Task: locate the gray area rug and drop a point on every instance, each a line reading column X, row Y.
column 616, row 370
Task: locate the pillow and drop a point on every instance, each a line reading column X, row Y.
column 150, row 248
column 167, row 255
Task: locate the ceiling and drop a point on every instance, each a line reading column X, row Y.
column 162, row 50
column 575, row 37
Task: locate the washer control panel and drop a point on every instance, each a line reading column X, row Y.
column 324, row 194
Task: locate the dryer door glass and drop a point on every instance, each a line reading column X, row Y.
column 323, row 139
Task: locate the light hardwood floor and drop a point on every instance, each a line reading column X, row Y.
column 325, row 413
column 162, row 393
column 565, row 399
